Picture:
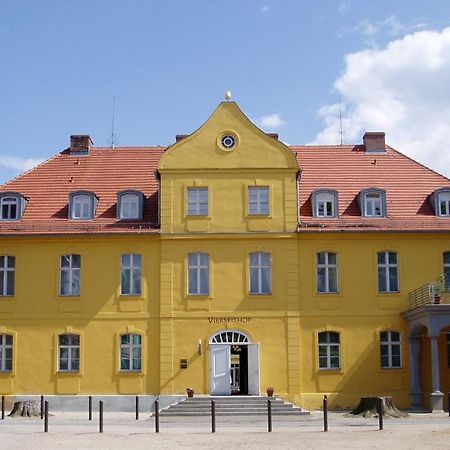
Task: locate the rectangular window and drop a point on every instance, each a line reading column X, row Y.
column 198, row 274
column 7, row 272
column 197, row 201
column 70, row 275
column 387, row 272
column 6, row 352
column 129, row 206
column 82, row 207
column 130, row 352
column 373, row 205
column 260, row 273
column 258, row 200
column 447, row 271
column 329, row 350
column 131, row 269
column 444, row 204
column 9, row 208
column 327, row 273
column 390, row 350
column 69, row 352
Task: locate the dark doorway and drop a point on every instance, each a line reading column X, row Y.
column 239, row 370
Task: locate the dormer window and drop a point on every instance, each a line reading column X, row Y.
column 372, row 203
column 441, row 202
column 130, row 205
column 82, row 205
column 11, row 206
column 324, row 203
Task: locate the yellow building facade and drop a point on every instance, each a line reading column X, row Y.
column 230, row 292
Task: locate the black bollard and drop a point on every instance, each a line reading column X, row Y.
column 269, row 416
column 325, row 413
column 380, row 412
column 137, row 407
column 100, row 416
column 3, row 407
column 156, row 416
column 90, row 407
column 42, row 406
column 213, row 416
column 46, row 417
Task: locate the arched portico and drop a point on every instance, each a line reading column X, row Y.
column 429, row 321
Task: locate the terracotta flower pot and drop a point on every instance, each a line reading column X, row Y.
column 190, row 392
column 269, row 391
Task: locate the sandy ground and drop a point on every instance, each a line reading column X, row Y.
column 122, row 431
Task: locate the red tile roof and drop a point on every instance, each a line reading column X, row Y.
column 106, row 171
column 348, row 170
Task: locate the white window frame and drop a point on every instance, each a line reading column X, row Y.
column 73, row 352
column 259, row 203
column 328, row 345
column 444, row 204
column 7, row 202
column 82, row 205
column 6, row 364
column 134, row 352
column 130, row 205
column 257, row 269
column 134, row 268
column 383, row 269
column 72, row 274
column 390, row 343
column 7, row 266
column 446, row 266
column 322, row 200
column 328, row 268
column 372, row 201
column 197, row 203
column 197, row 268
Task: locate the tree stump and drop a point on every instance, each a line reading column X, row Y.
column 368, row 408
column 27, row 408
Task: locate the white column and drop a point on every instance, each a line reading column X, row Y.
column 436, row 395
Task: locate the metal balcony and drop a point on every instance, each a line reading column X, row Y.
column 429, row 294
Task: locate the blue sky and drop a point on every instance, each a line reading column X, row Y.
column 168, row 64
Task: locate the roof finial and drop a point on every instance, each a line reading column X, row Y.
column 228, row 96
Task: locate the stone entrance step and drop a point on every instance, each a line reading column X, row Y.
column 231, row 406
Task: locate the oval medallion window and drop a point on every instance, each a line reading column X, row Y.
column 228, row 141
column 230, row 337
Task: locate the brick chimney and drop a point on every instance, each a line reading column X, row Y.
column 374, row 142
column 80, row 144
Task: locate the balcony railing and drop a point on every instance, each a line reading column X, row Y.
column 429, row 294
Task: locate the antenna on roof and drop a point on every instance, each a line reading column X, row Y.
column 113, row 134
column 341, row 133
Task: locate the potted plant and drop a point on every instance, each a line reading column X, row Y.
column 438, row 289
column 269, row 391
column 190, row 392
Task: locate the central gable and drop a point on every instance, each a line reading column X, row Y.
column 228, row 140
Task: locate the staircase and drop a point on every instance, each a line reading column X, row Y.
column 231, row 406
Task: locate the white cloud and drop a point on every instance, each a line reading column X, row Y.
column 265, row 8
column 343, row 7
column 391, row 26
column 17, row 163
column 270, row 122
column 401, row 89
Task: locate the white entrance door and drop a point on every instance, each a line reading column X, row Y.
column 220, row 369
column 253, row 369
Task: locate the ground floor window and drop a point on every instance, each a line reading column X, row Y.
column 130, row 352
column 6, row 352
column 390, row 350
column 69, row 352
column 329, row 349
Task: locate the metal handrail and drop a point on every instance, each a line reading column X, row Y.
column 426, row 295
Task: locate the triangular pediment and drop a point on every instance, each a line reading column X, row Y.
column 247, row 147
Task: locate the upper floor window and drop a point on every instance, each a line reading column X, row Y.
column 324, row 203
column 387, row 272
column 372, row 203
column 69, row 352
column 82, row 205
column 7, row 270
column 130, row 352
column 260, row 273
column 390, row 350
column 440, row 199
column 198, row 274
column 447, row 271
column 197, row 201
column 11, row 206
column 70, row 275
column 326, row 273
column 329, row 349
column 6, row 352
column 130, row 205
column 131, row 267
column 258, row 200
